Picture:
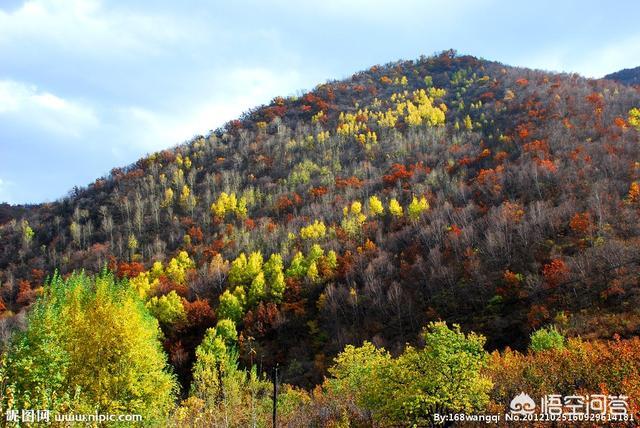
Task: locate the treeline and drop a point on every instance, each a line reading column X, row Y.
column 91, row 345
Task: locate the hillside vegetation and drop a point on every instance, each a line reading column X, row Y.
column 501, row 200
column 628, row 76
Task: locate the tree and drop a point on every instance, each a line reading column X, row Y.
column 375, row 206
column 168, row 309
column 417, row 207
column 312, row 273
column 256, row 290
column 89, row 346
column 468, row 124
column 445, row 376
column 230, row 307
column 555, row 272
column 168, row 198
column 297, row 268
column 352, row 366
column 314, row 231
column 132, row 245
column 187, row 199
column 74, row 230
column 599, row 366
column 27, row 234
column 226, row 329
column 241, row 209
column 144, row 283
column 395, row 208
column 210, row 355
column 634, row 118
column 221, row 393
column 273, row 271
column 634, row 192
column 229, row 203
column 353, row 219
column 545, row 339
column 243, row 270
column 178, row 267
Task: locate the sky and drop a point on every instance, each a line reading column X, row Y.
column 88, row 85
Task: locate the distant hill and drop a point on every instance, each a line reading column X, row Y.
column 8, row 212
column 628, row 76
column 446, row 187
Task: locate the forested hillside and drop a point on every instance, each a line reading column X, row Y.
column 448, row 188
column 628, row 76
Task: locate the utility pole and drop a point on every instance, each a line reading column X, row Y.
column 275, row 396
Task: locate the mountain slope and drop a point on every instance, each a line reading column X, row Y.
column 628, row 76
column 509, row 200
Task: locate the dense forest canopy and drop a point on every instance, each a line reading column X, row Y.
column 449, row 188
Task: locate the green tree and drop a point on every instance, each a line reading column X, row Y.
column 226, row 329
column 230, row 307
column 27, row 234
column 244, row 270
column 545, row 339
column 257, row 290
column 221, row 393
column 297, row 268
column 274, row 275
column 241, row 210
column 355, row 364
column 332, row 260
column 90, row 346
column 167, row 309
column 417, row 207
column 211, row 354
column 445, row 376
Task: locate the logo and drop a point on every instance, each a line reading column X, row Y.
column 522, row 404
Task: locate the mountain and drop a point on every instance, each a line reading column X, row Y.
column 447, row 188
column 628, row 76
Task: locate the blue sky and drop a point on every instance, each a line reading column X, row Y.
column 87, row 85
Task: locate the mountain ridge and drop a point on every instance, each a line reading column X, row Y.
column 628, row 76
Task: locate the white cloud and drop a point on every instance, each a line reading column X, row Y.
column 601, row 60
column 118, row 49
column 243, row 88
column 27, row 103
column 612, row 57
column 85, row 27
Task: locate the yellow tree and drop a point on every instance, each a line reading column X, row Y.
column 634, row 118
column 417, row 207
column 187, row 199
column 395, row 208
column 375, row 206
column 89, row 346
